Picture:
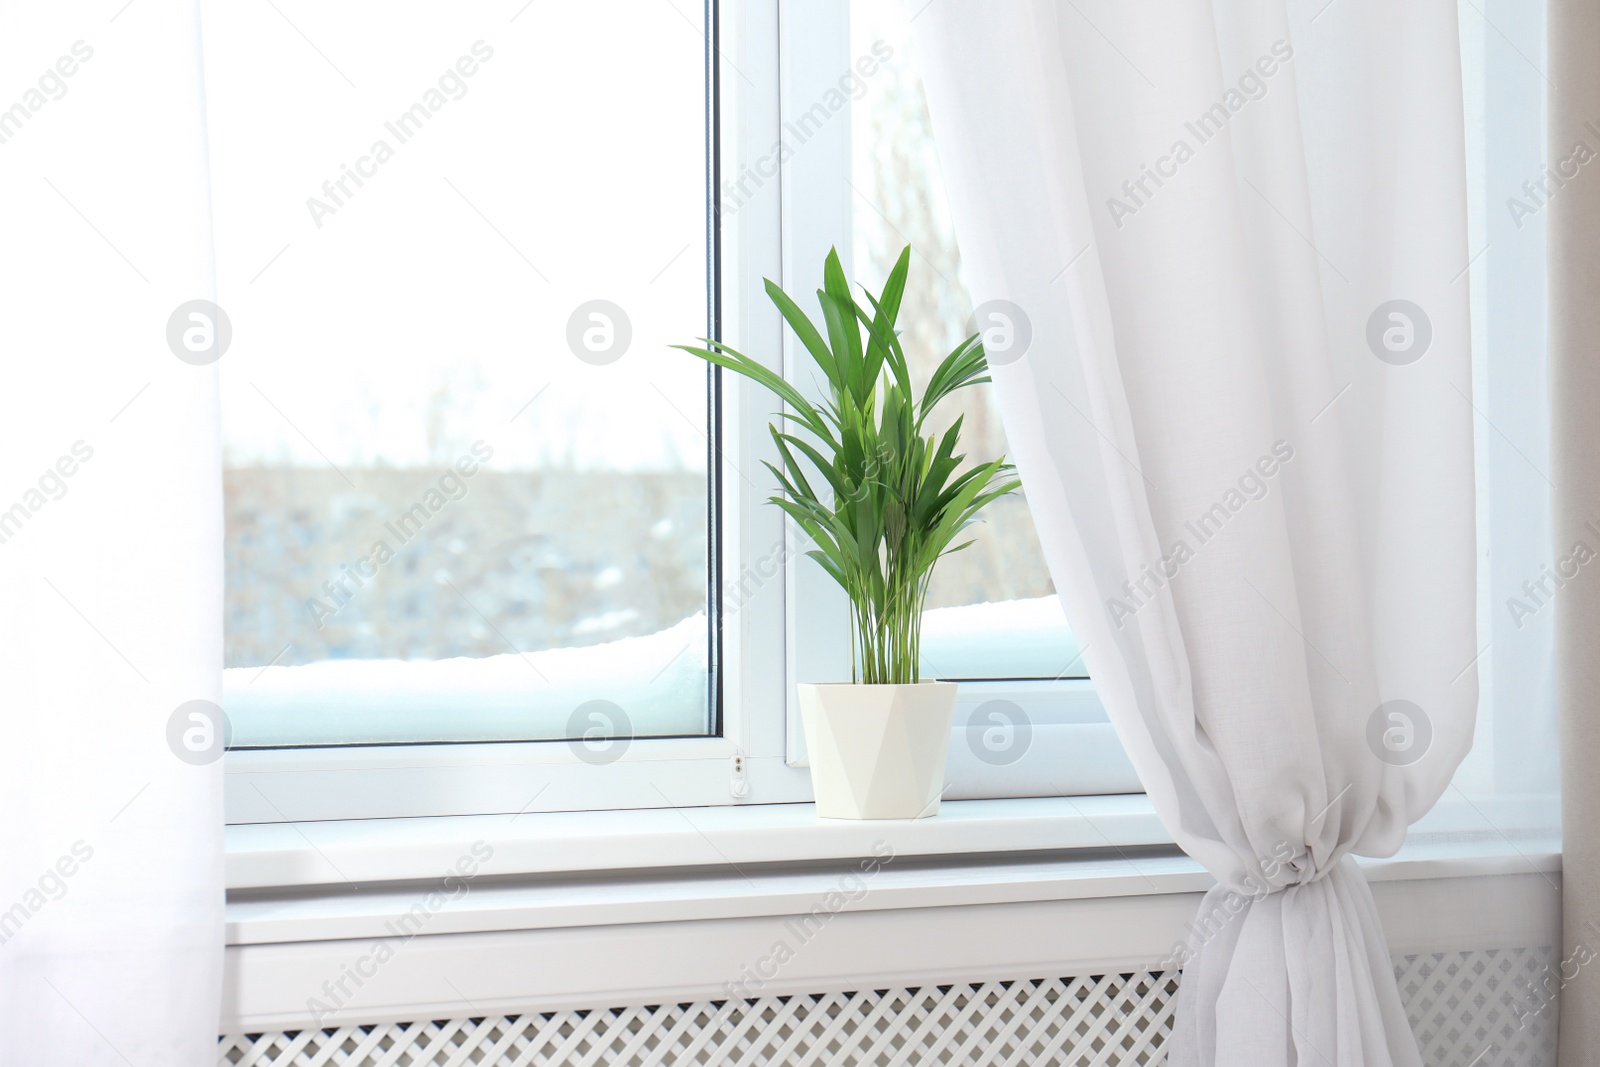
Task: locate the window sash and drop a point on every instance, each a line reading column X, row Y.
column 783, row 621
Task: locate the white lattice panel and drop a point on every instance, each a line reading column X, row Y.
column 1460, row 1005
column 1110, row 1020
column 1463, row 1003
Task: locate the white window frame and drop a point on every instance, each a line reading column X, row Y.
column 775, row 632
column 1069, row 747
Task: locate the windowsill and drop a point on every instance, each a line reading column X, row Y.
column 365, row 852
column 330, row 881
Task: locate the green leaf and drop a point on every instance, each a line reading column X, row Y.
column 897, row 496
column 727, row 358
column 803, row 329
column 838, row 290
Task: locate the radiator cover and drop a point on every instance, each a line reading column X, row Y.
column 1468, row 1009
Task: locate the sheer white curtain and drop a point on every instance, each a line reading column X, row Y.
column 110, row 544
column 1220, row 250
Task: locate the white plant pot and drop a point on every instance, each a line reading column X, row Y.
column 878, row 751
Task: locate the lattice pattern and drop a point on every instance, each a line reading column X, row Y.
column 1502, row 1000
column 1459, row 1004
column 1109, row 1021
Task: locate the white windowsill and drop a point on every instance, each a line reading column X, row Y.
column 327, row 881
column 608, row 902
column 364, row 852
column 576, row 910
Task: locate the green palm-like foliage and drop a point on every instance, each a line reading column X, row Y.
column 883, row 503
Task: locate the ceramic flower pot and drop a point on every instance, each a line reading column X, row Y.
column 878, row 751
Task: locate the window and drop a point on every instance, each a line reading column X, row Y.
column 1512, row 772
column 466, row 497
column 585, row 603
column 1028, row 721
column 491, row 545
column 994, row 610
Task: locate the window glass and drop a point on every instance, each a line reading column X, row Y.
column 992, row 608
column 465, row 487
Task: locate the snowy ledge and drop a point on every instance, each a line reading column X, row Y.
column 658, row 679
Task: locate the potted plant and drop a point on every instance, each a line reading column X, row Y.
column 883, row 503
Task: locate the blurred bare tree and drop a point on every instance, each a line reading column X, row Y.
column 899, row 201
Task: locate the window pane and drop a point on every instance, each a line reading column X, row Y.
column 993, row 610
column 465, row 485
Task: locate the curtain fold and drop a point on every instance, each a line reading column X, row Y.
column 111, row 882
column 1219, row 255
